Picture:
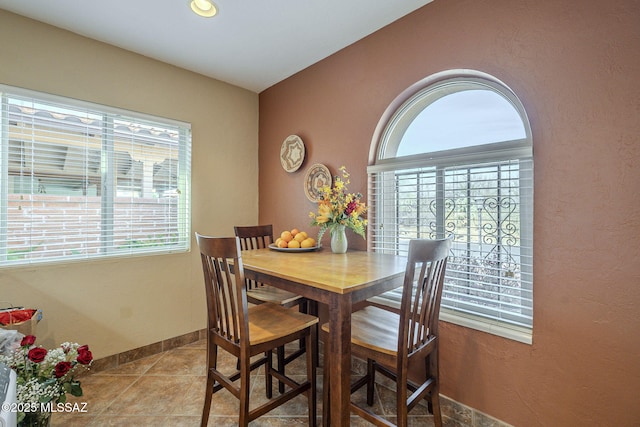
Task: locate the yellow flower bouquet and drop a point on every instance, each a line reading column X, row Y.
column 337, row 207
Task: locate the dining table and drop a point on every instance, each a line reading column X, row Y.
column 339, row 281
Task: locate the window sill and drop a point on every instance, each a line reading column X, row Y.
column 515, row 333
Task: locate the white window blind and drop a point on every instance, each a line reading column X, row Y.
column 80, row 180
column 456, row 159
column 489, row 272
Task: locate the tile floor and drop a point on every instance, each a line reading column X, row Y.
column 167, row 389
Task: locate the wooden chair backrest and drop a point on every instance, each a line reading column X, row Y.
column 226, row 302
column 254, row 236
column 424, row 278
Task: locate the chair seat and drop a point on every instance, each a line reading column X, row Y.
column 266, row 293
column 268, row 322
column 375, row 329
column 390, row 300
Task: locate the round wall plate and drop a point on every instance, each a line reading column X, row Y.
column 292, row 153
column 317, row 177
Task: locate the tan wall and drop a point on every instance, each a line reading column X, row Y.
column 575, row 66
column 122, row 304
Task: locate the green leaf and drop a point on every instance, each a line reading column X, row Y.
column 76, row 390
column 44, row 399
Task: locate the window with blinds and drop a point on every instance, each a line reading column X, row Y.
column 83, row 181
column 456, row 160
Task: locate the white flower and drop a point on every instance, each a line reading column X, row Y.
column 11, row 360
column 51, row 360
column 35, row 392
column 71, row 350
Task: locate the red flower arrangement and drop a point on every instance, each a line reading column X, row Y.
column 46, row 375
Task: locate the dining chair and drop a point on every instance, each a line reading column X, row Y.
column 259, row 237
column 391, row 341
column 246, row 332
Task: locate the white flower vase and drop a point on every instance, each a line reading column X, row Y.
column 339, row 242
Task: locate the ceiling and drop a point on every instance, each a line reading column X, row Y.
column 250, row 43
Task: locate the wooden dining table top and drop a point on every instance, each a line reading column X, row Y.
column 324, row 270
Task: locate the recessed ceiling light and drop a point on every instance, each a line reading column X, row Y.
column 204, row 8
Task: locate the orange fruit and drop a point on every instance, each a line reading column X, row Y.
column 278, row 240
column 293, row 244
column 286, row 236
column 294, row 232
column 282, row 244
column 308, row 243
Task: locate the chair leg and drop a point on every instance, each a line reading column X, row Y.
column 313, row 310
column 303, row 308
column 212, row 358
column 371, row 380
column 435, row 405
column 325, row 388
column 268, row 378
column 281, row 364
column 310, row 307
column 312, row 349
column 245, row 386
column 401, row 401
column 204, row 420
column 434, row 401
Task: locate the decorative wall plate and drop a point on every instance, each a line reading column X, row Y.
column 317, row 177
column 292, row 153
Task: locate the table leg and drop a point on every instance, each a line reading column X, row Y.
column 340, row 354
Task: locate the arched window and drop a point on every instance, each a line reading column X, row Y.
column 453, row 156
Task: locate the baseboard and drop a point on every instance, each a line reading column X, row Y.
column 455, row 414
column 116, row 360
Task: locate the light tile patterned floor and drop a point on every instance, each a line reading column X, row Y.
column 167, row 389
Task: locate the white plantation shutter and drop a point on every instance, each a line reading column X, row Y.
column 456, row 160
column 81, row 180
column 489, row 272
